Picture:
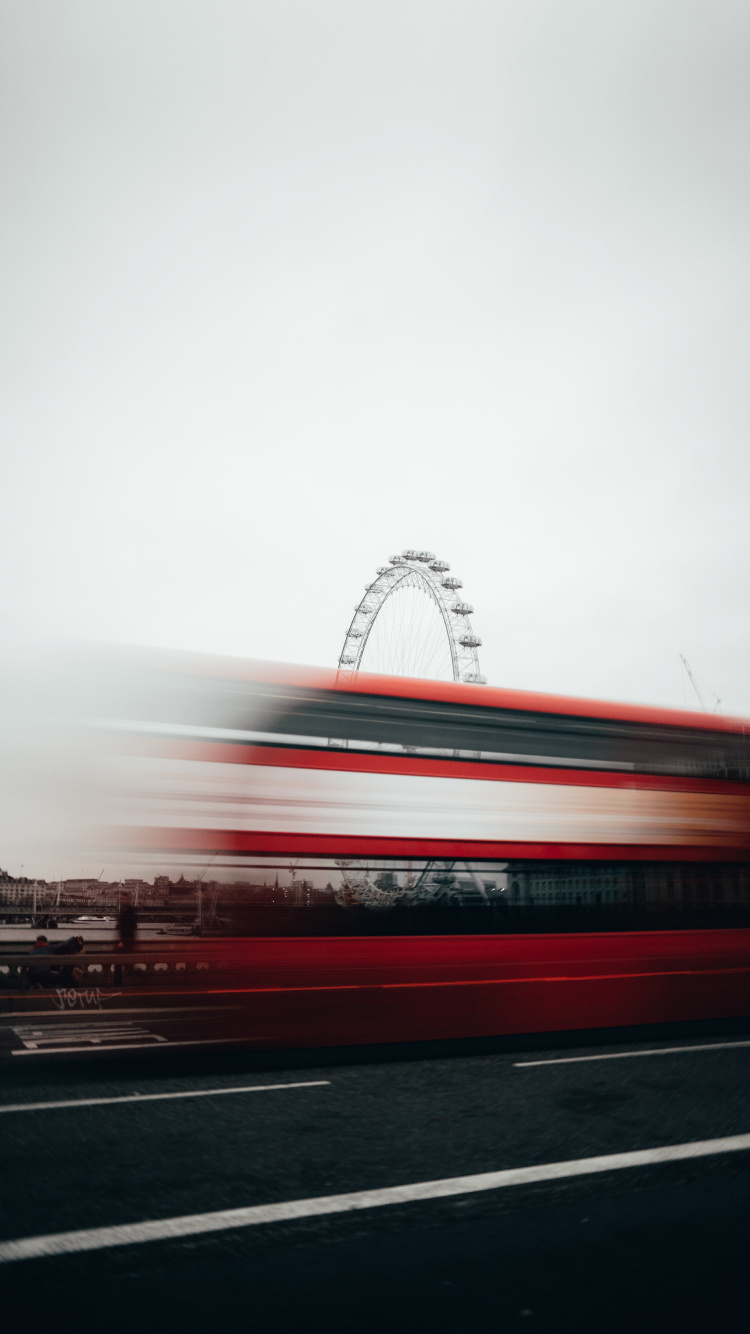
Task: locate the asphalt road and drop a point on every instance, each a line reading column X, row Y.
column 656, row 1247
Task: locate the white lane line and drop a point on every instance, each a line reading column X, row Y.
column 156, row 1097
column 188, row 1225
column 623, row 1055
column 164, row 1045
column 94, row 1014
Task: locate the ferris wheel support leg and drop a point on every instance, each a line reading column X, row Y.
column 477, row 881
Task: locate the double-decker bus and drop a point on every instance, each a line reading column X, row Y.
column 418, row 859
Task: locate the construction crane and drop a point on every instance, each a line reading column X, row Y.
column 208, row 919
column 694, row 684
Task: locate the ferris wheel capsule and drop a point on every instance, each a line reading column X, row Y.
column 453, row 583
column 396, row 560
column 439, row 566
column 426, row 556
column 475, row 679
column 410, row 554
column 470, row 641
column 347, row 659
column 462, row 608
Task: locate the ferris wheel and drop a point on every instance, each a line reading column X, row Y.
column 413, row 621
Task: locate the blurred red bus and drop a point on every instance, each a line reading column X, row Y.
column 565, row 863
column 261, row 762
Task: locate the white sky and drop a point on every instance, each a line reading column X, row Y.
column 290, row 285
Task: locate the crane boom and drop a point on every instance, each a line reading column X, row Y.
column 694, row 684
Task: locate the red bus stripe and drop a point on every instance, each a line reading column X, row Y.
column 250, row 844
column 287, row 757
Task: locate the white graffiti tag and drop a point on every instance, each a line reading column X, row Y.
column 70, row 999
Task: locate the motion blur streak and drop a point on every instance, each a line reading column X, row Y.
column 320, row 991
column 474, row 861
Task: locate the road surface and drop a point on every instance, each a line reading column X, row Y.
column 157, row 1142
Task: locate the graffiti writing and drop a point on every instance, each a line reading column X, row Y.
column 70, row 999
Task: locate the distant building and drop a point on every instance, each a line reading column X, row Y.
column 691, row 886
column 20, row 889
column 546, row 884
column 182, row 888
column 84, row 889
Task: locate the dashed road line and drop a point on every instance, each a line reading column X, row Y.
column 624, row 1055
column 156, row 1097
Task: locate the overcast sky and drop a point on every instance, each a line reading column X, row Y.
column 290, row 285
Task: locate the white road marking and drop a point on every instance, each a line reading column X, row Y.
column 622, row 1055
column 92, row 1016
column 189, row 1225
column 96, row 1032
column 164, row 1043
column 156, row 1097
